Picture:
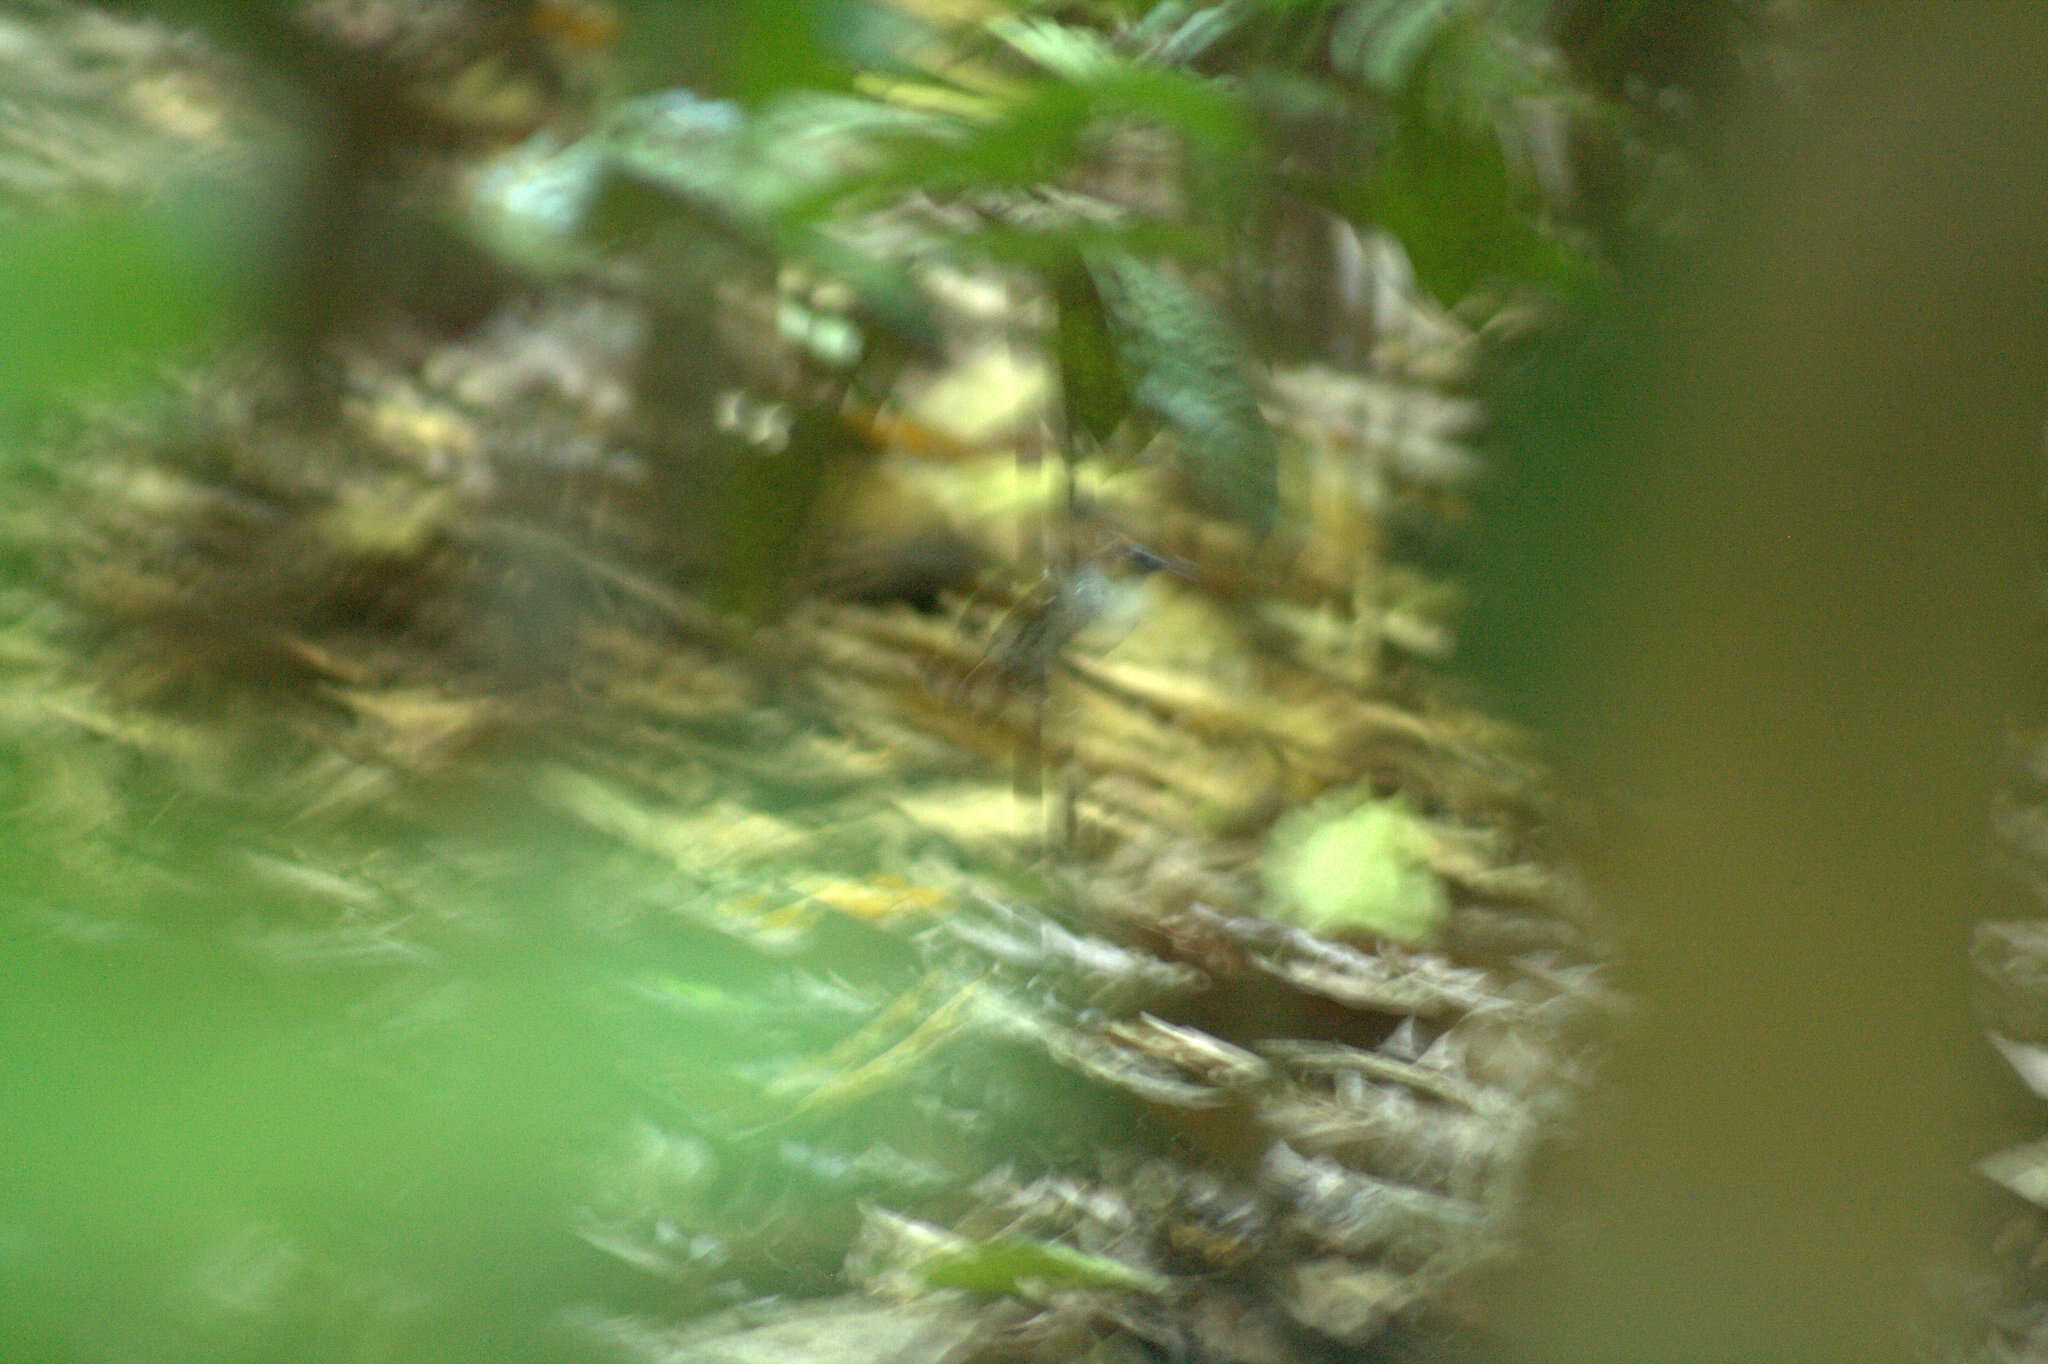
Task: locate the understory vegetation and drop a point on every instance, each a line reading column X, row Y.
column 815, row 679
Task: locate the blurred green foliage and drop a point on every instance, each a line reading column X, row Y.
column 105, row 293
column 1453, row 127
column 1456, row 127
column 1402, row 118
column 96, row 298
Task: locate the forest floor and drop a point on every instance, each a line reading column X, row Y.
column 457, row 913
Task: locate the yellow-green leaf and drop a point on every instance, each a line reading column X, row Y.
column 1352, row 865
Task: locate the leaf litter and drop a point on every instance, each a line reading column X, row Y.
column 916, row 1005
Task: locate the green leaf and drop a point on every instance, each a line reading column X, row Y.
column 1002, row 1264
column 1192, row 371
column 784, row 46
column 1470, row 77
column 1382, row 42
column 1212, row 122
column 1065, row 50
column 1450, row 200
column 1025, row 147
column 1355, row 865
column 91, row 299
column 1048, row 249
column 1093, row 389
column 1173, row 36
column 1450, row 76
